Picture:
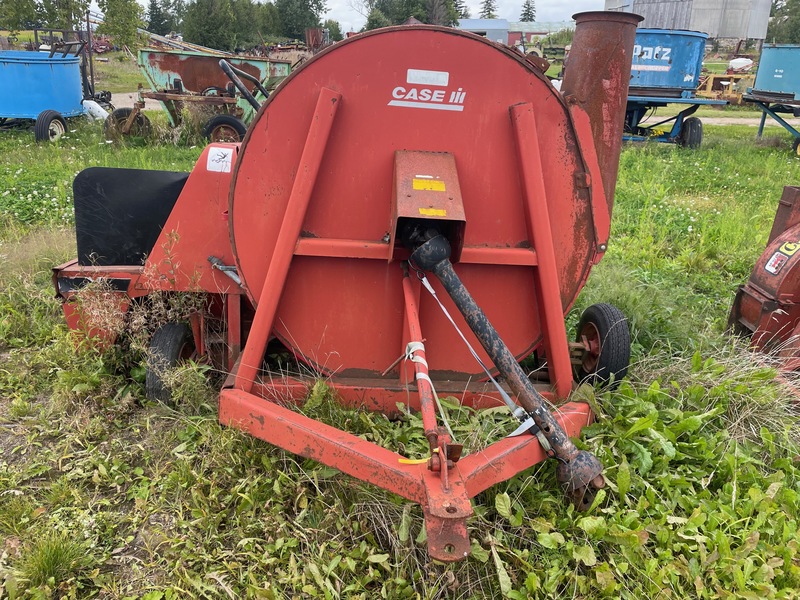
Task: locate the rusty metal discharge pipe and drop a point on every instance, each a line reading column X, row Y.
column 597, row 76
column 579, row 472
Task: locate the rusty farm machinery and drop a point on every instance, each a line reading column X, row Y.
column 390, row 200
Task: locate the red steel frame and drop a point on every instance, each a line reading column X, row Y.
column 446, row 482
column 327, row 105
column 196, row 228
column 767, row 307
column 444, row 485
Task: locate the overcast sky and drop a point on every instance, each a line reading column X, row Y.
column 546, row 10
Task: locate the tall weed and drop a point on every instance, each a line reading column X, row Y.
column 698, row 445
column 686, row 231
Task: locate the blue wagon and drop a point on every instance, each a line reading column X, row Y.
column 666, row 70
column 777, row 87
column 40, row 87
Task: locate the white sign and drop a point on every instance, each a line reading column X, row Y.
column 419, row 91
column 420, row 76
column 219, row 159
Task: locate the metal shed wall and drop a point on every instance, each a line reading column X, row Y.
column 722, row 18
column 658, row 14
column 759, row 19
column 495, row 30
column 738, row 19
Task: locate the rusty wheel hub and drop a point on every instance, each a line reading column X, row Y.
column 224, row 133
column 590, row 339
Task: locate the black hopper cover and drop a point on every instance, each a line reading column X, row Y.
column 119, row 213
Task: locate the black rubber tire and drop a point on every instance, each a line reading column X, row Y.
column 50, row 126
column 224, row 128
column 113, row 125
column 608, row 327
column 796, row 146
column 691, row 135
column 171, row 343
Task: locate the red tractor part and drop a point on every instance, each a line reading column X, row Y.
column 414, row 191
column 767, row 307
column 156, row 231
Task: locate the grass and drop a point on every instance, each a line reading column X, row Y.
column 22, row 36
column 104, row 495
column 688, row 227
column 51, row 560
column 716, row 66
column 37, row 179
column 117, row 73
column 745, row 111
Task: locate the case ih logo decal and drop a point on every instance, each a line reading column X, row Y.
column 775, row 264
column 781, row 257
column 428, row 89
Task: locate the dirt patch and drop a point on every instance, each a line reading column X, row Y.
column 746, row 121
column 128, row 99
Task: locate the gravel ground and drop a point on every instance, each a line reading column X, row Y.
column 748, row 121
column 128, row 99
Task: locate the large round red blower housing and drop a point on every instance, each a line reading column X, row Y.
column 422, row 110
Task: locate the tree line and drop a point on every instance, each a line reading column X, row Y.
column 221, row 24
column 238, row 24
column 241, row 24
column 16, row 15
column 784, row 23
column 232, row 24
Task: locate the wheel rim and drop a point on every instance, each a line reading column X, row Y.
column 224, row 133
column 132, row 130
column 187, row 352
column 114, row 125
column 56, row 129
column 590, row 336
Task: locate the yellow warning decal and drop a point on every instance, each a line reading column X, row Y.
column 433, row 212
column 415, row 461
column 430, row 185
column 790, row 248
